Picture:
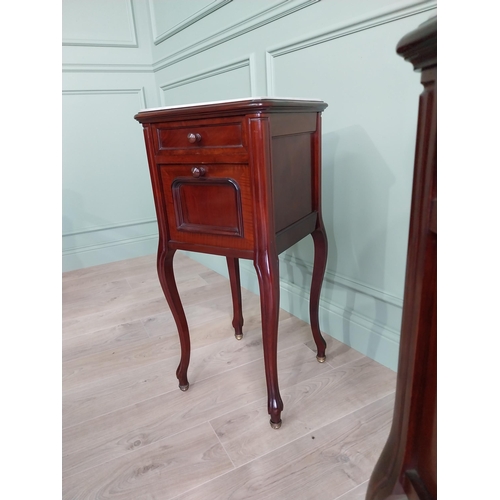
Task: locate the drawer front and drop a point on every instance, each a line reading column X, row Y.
column 201, row 136
column 209, row 204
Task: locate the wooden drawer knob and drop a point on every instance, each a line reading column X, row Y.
column 198, row 171
column 192, row 138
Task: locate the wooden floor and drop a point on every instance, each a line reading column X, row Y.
column 130, row 433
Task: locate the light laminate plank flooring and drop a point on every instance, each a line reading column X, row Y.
column 129, row 433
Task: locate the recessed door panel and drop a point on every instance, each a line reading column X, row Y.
column 211, row 206
column 208, row 204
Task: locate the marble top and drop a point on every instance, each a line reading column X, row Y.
column 242, row 100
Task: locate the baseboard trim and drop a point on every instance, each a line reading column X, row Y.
column 94, row 255
column 366, row 336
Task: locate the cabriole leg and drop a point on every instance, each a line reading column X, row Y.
column 233, row 267
column 320, row 255
column 167, row 281
column 268, row 275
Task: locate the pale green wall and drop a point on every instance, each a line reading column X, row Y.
column 108, row 211
column 174, row 52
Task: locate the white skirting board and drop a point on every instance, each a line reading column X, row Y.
column 368, row 337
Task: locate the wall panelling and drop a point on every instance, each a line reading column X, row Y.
column 230, row 81
column 340, row 52
column 168, row 18
column 113, row 27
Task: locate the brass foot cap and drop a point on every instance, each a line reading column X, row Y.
column 321, row 359
column 275, row 425
column 238, row 336
column 184, row 388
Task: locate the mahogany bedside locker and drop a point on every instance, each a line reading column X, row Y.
column 241, row 179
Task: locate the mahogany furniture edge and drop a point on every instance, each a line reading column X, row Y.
column 407, row 466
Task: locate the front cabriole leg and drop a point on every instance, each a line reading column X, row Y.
column 267, row 269
column 167, row 281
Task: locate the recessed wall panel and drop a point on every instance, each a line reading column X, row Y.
column 168, row 17
column 105, row 177
column 229, row 82
column 368, row 146
column 98, row 23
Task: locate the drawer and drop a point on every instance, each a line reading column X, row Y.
column 209, row 204
column 199, row 136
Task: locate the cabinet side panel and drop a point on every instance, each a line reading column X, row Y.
column 292, row 189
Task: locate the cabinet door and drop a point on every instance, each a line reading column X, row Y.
column 208, row 204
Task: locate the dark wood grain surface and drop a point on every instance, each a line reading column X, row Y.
column 408, row 465
column 240, row 179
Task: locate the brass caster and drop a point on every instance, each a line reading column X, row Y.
column 321, row 359
column 275, row 425
column 238, row 336
column 184, row 388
